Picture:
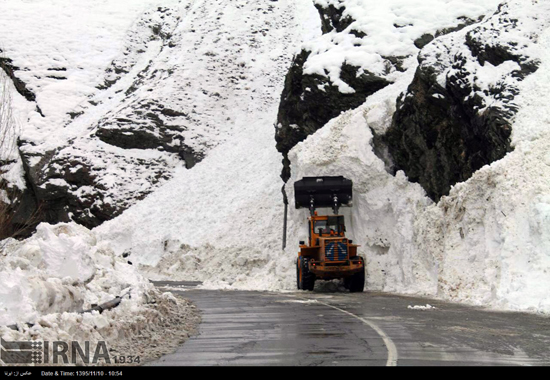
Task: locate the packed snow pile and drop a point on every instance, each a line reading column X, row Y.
column 48, row 280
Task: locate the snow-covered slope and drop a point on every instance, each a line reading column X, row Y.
column 61, row 57
column 221, row 221
column 134, row 92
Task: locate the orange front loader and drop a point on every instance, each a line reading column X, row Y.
column 328, row 254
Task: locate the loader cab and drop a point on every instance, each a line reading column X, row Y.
column 325, row 226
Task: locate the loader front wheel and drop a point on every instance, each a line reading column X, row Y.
column 298, row 274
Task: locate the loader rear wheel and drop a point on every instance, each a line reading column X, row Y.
column 347, row 281
column 306, row 279
column 357, row 281
column 298, row 274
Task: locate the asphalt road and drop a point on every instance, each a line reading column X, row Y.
column 341, row 329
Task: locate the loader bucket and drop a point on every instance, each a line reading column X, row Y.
column 322, row 190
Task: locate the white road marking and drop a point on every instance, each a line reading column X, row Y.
column 392, row 350
column 298, row 301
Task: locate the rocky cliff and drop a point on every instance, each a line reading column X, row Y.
column 456, row 115
column 310, row 100
column 364, row 48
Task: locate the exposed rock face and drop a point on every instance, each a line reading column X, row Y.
column 456, row 115
column 6, row 64
column 67, row 185
column 182, row 76
column 328, row 79
column 333, row 18
column 309, row 101
column 148, row 124
column 121, row 157
column 428, row 37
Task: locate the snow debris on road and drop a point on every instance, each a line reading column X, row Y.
column 420, row 307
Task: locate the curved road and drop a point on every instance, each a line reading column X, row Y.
column 338, row 328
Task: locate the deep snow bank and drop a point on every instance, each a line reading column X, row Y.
column 48, row 279
column 490, row 239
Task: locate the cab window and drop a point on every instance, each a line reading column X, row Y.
column 335, row 225
column 320, row 225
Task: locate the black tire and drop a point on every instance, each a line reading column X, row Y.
column 347, row 281
column 298, row 281
column 306, row 280
column 357, row 281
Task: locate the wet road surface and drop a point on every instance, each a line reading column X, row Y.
column 305, row 328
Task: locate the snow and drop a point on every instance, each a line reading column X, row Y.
column 420, row 307
column 392, row 28
column 487, row 79
column 49, row 259
column 81, row 38
column 48, row 279
column 487, row 243
column 10, row 101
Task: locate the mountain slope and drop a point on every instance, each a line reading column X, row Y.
column 221, row 221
